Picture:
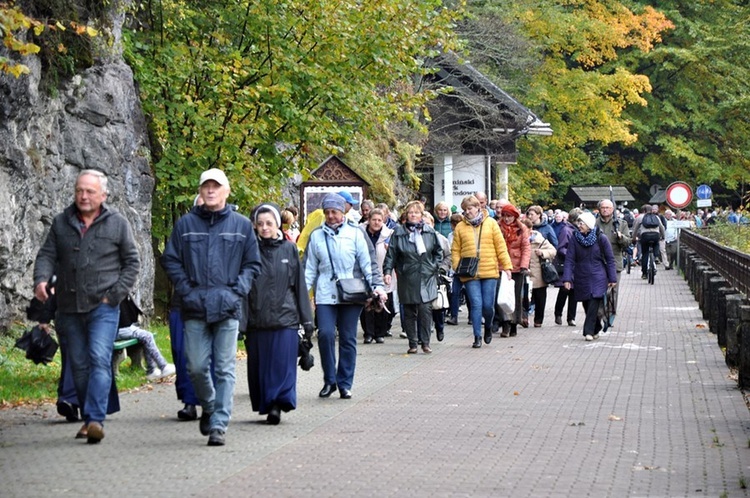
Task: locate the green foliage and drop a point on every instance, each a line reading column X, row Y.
column 576, row 83
column 695, row 126
column 263, row 89
column 730, row 234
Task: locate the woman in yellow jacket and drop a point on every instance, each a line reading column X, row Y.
column 480, row 234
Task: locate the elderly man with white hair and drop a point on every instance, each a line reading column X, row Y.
column 616, row 231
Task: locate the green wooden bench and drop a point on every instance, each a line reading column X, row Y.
column 124, row 348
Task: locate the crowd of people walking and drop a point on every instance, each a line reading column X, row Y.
column 275, row 283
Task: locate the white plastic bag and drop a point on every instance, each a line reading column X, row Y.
column 506, row 296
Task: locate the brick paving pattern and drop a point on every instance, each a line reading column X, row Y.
column 649, row 409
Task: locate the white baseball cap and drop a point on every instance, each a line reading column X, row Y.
column 216, row 175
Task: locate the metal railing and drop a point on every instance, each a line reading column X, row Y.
column 731, row 264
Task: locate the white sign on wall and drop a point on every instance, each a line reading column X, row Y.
column 465, row 175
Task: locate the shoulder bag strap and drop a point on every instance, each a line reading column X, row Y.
column 328, row 250
column 478, row 239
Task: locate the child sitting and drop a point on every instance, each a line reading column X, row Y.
column 128, row 328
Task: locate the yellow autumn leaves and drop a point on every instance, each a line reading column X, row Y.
column 14, row 25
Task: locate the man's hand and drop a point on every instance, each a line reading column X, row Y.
column 567, row 285
column 387, row 279
column 40, row 292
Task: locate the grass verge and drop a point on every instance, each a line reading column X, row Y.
column 23, row 382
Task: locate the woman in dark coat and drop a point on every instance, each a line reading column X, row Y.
column 278, row 305
column 591, row 263
column 564, row 239
column 415, row 253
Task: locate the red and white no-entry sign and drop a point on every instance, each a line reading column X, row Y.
column 679, row 195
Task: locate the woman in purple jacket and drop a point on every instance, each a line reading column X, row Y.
column 591, row 263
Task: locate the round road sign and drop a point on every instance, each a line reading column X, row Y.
column 703, row 192
column 679, row 195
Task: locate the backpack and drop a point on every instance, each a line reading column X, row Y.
column 650, row 220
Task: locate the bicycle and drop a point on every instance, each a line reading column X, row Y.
column 651, row 270
column 627, row 258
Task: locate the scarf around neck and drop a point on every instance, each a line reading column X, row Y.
column 589, row 239
column 475, row 222
column 510, row 230
column 415, row 235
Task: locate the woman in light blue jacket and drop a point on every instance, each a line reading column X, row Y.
column 344, row 245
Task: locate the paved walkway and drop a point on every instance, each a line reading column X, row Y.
column 647, row 410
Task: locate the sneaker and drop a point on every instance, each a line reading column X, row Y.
column 216, row 437
column 572, row 323
column 168, row 370
column 589, row 337
column 403, row 335
column 596, row 336
column 154, row 374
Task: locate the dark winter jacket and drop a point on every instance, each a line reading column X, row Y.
column 588, row 266
column 101, row 263
column 212, row 259
column 417, row 273
column 547, row 232
column 279, row 297
column 564, row 239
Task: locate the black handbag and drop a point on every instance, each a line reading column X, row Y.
column 468, row 266
column 549, row 272
column 353, row 290
column 559, row 266
column 350, row 290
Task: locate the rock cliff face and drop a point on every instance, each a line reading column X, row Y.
column 95, row 121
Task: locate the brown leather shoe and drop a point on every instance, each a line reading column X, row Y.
column 525, row 323
column 426, row 349
column 95, row 433
column 412, row 351
column 82, row 432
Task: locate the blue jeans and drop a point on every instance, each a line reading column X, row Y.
column 481, row 296
column 202, row 340
column 343, row 317
column 90, row 338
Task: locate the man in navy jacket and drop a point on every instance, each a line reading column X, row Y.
column 212, row 259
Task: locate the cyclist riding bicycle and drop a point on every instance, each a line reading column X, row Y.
column 648, row 230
